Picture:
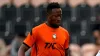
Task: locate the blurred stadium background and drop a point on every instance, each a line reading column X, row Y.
column 79, row 18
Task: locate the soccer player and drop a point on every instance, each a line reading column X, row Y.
column 49, row 38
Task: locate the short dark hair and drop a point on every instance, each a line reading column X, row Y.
column 52, row 6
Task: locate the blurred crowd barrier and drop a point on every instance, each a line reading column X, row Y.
column 81, row 18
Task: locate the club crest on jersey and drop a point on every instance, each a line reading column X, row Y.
column 54, row 36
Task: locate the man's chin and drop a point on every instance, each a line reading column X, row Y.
column 55, row 25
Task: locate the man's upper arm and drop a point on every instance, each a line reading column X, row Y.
column 66, row 44
column 30, row 39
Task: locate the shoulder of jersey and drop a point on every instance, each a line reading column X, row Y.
column 38, row 27
column 63, row 29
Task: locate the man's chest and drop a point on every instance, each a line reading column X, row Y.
column 57, row 37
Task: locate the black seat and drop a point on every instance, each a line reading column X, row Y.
column 42, row 12
column 66, row 12
column 8, row 12
column 26, row 12
column 20, row 28
column 97, row 11
column 74, row 28
column 2, row 27
column 83, row 12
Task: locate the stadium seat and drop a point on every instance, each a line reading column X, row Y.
column 19, row 28
column 2, row 27
column 93, row 3
column 65, row 24
column 42, row 12
column 0, row 14
column 83, row 12
column 74, row 39
column 84, row 40
column 97, row 11
column 27, row 12
column 8, row 12
column 74, row 28
column 66, row 12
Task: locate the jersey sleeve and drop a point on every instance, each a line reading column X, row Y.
column 66, row 44
column 30, row 39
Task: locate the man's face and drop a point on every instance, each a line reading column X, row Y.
column 54, row 18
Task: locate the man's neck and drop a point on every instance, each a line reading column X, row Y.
column 47, row 23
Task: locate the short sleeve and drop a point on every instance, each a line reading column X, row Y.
column 30, row 39
column 66, row 44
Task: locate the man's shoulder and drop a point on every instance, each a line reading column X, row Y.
column 38, row 27
column 63, row 29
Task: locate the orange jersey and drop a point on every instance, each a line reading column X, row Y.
column 47, row 41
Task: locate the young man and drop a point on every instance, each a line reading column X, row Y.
column 49, row 38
